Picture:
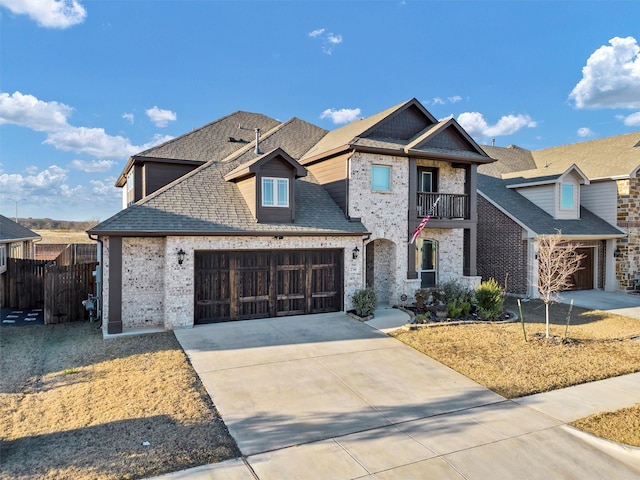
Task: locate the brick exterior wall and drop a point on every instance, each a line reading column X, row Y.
column 502, row 250
column 157, row 291
column 385, row 215
column 628, row 264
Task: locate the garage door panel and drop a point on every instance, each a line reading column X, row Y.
column 248, row 285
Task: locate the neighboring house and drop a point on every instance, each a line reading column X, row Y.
column 589, row 191
column 16, row 241
column 248, row 217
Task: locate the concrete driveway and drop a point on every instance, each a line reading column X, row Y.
column 615, row 302
column 325, row 396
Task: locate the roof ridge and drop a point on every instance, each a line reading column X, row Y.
column 195, row 130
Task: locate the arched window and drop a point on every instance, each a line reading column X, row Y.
column 427, row 262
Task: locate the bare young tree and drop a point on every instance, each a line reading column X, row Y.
column 558, row 261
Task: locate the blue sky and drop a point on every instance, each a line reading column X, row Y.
column 86, row 84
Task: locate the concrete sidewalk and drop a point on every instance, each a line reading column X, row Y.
column 325, row 396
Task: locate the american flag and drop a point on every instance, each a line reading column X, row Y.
column 424, row 221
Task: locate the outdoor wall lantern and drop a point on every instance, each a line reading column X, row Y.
column 355, row 252
column 181, row 254
column 617, row 253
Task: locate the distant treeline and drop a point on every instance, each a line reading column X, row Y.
column 49, row 224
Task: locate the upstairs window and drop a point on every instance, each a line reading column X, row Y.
column 567, row 196
column 380, row 178
column 275, row 192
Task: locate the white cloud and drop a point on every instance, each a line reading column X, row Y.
column 329, row 40
column 611, row 77
column 443, row 101
column 334, row 39
column 49, row 13
column 32, row 169
column 92, row 166
column 92, row 141
column 46, row 181
column 632, row 120
column 476, row 126
column 344, row 115
column 51, row 118
column 129, row 117
column 585, row 132
column 161, row 117
column 28, row 111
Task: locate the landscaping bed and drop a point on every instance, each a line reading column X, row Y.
column 73, row 405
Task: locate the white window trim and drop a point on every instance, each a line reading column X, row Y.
column 388, row 168
column 3, row 258
column 276, row 198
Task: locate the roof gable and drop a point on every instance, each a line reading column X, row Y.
column 403, row 120
column 446, row 137
column 252, row 167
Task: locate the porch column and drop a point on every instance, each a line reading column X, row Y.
column 114, row 322
column 412, row 216
column 610, row 280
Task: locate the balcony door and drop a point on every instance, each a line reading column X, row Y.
column 428, row 180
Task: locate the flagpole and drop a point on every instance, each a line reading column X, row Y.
column 424, row 221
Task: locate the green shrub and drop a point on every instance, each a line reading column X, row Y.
column 453, row 310
column 489, row 297
column 466, row 308
column 364, row 302
column 453, row 292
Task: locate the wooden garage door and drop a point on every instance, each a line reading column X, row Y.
column 231, row 285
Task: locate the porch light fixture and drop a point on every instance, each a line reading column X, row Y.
column 617, row 253
column 356, row 252
column 181, row 254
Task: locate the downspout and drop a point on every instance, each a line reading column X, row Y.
column 98, row 277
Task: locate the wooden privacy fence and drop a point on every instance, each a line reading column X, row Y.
column 64, row 290
column 77, row 253
column 24, row 283
column 58, row 290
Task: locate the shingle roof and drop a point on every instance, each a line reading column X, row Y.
column 202, row 202
column 536, row 219
column 211, row 141
column 11, row 231
column 510, row 159
column 609, row 157
column 345, row 135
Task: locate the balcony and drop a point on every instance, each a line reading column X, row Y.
column 450, row 206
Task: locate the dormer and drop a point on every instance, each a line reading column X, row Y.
column 556, row 193
column 267, row 184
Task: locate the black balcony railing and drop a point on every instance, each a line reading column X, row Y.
column 451, row 205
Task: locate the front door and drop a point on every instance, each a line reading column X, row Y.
column 427, row 262
column 583, row 278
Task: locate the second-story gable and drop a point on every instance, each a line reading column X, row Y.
column 558, row 194
column 267, row 185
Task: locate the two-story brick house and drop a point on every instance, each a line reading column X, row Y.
column 588, row 191
column 248, row 217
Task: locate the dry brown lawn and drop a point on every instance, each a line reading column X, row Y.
column 622, row 426
column 598, row 345
column 60, row 236
column 496, row 355
column 73, row 405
